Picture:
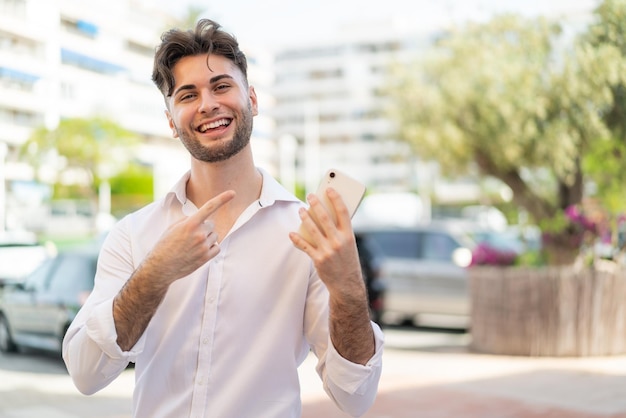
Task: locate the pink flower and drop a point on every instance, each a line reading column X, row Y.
column 484, row 254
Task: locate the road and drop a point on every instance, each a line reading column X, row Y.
column 426, row 374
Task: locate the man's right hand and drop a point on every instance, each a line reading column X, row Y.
column 187, row 245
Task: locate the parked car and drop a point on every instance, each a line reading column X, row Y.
column 20, row 254
column 371, row 258
column 424, row 272
column 36, row 312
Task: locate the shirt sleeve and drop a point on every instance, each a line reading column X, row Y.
column 353, row 387
column 90, row 350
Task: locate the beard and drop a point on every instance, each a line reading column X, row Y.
column 221, row 150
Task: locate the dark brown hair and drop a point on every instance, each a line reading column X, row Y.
column 207, row 38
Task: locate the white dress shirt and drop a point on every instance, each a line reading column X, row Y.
column 227, row 339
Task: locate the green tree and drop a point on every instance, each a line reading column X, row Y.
column 79, row 152
column 131, row 189
column 605, row 162
column 509, row 99
column 607, row 35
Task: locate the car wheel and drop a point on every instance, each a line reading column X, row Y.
column 7, row 345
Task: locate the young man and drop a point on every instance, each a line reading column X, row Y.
column 209, row 291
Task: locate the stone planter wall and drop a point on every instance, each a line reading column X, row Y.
column 551, row 311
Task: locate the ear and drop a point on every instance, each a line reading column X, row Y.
column 253, row 101
column 172, row 125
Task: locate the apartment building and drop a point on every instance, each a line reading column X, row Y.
column 71, row 58
column 68, row 58
column 330, row 101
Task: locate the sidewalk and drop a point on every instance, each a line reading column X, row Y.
column 425, row 375
column 445, row 380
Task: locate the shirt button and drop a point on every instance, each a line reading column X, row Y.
column 205, row 341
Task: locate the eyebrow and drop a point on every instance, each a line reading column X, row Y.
column 213, row 80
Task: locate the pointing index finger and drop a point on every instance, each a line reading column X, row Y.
column 212, row 205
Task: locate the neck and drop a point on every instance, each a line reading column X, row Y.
column 238, row 173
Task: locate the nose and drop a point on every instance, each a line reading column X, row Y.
column 207, row 102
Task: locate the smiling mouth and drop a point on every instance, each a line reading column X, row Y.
column 216, row 124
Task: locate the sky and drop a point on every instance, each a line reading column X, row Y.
column 278, row 23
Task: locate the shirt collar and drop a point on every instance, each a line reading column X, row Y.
column 271, row 191
column 178, row 191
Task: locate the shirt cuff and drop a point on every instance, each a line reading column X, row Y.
column 100, row 327
column 351, row 377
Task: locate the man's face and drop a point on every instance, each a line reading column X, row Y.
column 211, row 110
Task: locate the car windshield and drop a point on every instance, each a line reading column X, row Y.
column 397, row 244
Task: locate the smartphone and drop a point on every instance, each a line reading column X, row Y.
column 350, row 190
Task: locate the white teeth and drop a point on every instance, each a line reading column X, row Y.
column 212, row 125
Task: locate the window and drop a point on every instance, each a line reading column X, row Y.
column 37, row 280
column 15, row 8
column 140, row 49
column 398, row 244
column 17, row 80
column 68, row 91
column 79, row 27
column 20, row 46
column 322, row 74
column 88, row 63
column 438, row 246
column 20, row 118
column 74, row 275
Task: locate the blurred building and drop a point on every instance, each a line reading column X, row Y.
column 330, row 100
column 70, row 58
